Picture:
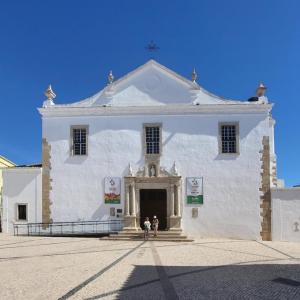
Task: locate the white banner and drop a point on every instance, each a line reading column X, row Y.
column 112, row 190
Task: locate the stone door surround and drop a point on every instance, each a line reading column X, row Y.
column 133, row 185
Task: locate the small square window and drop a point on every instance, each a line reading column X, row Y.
column 22, row 212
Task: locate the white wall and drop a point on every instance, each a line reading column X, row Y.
column 231, row 182
column 286, row 214
column 21, row 186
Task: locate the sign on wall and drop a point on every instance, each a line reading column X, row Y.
column 112, row 190
column 194, row 190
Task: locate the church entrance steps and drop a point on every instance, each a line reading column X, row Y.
column 170, row 236
column 157, row 239
column 161, row 233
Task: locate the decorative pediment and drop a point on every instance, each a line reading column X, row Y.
column 150, row 170
column 152, row 89
column 151, row 84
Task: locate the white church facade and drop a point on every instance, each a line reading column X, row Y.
column 155, row 143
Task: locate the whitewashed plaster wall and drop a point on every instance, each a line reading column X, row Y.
column 21, row 186
column 286, row 214
column 231, row 182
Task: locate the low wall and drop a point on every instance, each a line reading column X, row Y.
column 286, row 214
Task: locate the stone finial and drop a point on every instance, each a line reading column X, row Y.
column 194, row 75
column 130, row 171
column 49, row 93
column 50, row 96
column 174, row 170
column 110, row 77
column 261, row 89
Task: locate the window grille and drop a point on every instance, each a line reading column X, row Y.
column 79, row 141
column 229, row 138
column 152, row 140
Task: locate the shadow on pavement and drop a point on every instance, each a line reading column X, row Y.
column 255, row 281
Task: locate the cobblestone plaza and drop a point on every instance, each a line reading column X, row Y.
column 89, row 268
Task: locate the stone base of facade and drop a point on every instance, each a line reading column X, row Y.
column 130, row 223
column 175, row 223
column 266, row 236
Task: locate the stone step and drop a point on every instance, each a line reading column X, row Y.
column 151, row 235
column 142, row 236
column 160, row 239
column 175, row 236
column 173, row 233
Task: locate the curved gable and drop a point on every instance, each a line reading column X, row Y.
column 151, row 84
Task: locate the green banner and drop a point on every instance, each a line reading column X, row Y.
column 195, row 199
column 194, row 190
column 112, row 201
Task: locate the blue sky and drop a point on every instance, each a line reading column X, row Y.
column 73, row 44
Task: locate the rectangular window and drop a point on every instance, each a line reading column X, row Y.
column 229, row 137
column 79, row 140
column 152, row 139
column 22, row 212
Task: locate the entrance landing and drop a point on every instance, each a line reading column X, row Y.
column 167, row 236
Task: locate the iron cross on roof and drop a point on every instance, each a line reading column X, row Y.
column 152, row 47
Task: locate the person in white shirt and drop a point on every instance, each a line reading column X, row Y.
column 147, row 226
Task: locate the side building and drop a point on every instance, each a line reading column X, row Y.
column 22, row 196
column 4, row 163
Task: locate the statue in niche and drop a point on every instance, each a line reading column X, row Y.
column 152, row 171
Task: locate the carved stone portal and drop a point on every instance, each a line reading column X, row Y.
column 147, row 179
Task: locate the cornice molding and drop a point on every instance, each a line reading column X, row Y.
column 176, row 109
column 21, row 169
column 294, row 188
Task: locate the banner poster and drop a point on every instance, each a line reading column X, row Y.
column 112, row 190
column 194, row 190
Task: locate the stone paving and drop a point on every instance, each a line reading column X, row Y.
column 89, row 268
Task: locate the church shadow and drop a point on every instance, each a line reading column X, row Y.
column 237, row 281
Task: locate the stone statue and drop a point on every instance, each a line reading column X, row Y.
column 152, row 171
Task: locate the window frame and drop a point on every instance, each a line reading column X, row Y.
column 159, row 126
column 17, row 212
column 237, row 138
column 72, row 127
